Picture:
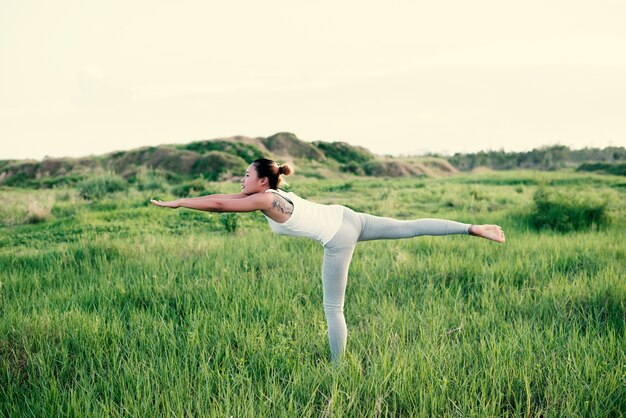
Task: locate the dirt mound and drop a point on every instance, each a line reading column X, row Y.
column 440, row 165
column 287, row 144
column 382, row 168
column 432, row 167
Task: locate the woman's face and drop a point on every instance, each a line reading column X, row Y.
column 250, row 183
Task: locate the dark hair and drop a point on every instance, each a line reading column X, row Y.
column 271, row 170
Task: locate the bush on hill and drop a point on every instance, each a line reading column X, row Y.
column 214, row 165
column 55, row 166
column 242, row 150
column 6, row 163
column 344, row 153
column 123, row 161
column 19, row 174
column 352, row 167
column 170, row 159
column 162, row 157
column 57, row 181
column 19, row 179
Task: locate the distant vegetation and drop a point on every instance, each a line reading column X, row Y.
column 608, row 168
column 544, row 158
column 226, row 159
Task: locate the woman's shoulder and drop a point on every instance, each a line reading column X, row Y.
column 278, row 191
column 290, row 196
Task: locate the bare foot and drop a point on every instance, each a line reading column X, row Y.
column 492, row 232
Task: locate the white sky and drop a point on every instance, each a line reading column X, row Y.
column 89, row 77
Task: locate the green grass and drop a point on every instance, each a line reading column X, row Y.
column 119, row 308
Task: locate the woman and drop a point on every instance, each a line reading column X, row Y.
column 338, row 228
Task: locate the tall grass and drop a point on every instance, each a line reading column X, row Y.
column 122, row 309
column 568, row 211
column 98, row 186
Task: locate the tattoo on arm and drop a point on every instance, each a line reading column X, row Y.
column 282, row 205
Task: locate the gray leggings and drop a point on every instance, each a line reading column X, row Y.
column 357, row 226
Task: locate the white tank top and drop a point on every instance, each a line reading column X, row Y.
column 309, row 219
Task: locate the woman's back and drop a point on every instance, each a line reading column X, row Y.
column 307, row 219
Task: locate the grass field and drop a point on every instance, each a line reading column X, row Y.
column 118, row 308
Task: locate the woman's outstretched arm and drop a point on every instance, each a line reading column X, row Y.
column 175, row 203
column 215, row 197
column 249, row 203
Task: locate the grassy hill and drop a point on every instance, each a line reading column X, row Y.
column 225, row 159
column 220, row 159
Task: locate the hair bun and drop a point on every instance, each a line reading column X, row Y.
column 285, row 169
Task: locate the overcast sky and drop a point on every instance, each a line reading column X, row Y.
column 89, row 77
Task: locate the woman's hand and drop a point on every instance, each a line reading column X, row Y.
column 171, row 204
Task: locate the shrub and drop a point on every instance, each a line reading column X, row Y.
column 189, row 189
column 100, row 185
column 344, row 153
column 352, row 167
column 476, row 193
column 229, row 220
column 567, row 212
column 616, row 169
column 53, row 182
column 215, row 164
column 37, row 213
column 149, row 179
column 63, row 196
column 19, row 179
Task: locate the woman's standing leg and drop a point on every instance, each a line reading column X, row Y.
column 337, row 256
column 334, row 278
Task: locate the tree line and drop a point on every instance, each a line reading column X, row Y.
column 544, row 158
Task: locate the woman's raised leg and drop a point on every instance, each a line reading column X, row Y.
column 377, row 227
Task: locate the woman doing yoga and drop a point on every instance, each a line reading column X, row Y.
column 337, row 228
